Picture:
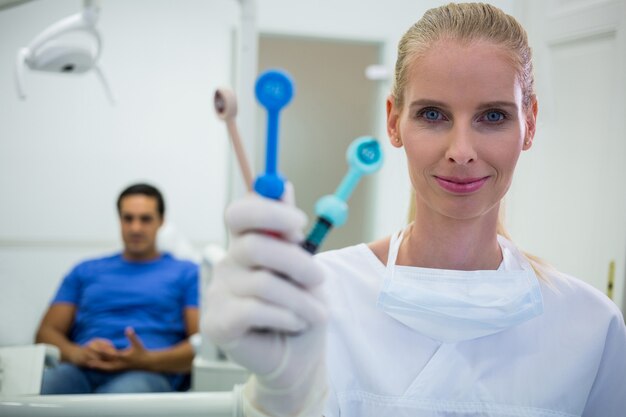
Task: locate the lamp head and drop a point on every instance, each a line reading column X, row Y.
column 62, row 58
column 51, row 51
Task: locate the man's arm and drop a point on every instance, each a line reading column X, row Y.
column 55, row 327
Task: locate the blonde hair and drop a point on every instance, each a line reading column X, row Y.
column 465, row 23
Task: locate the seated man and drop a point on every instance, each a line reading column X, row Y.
column 122, row 321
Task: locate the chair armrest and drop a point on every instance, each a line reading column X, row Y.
column 52, row 355
column 210, row 375
column 21, row 368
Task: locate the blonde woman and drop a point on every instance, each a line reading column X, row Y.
column 446, row 317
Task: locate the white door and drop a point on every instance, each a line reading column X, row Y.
column 568, row 203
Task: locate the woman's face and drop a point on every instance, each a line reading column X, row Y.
column 462, row 126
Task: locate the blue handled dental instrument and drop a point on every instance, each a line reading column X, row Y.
column 274, row 90
column 364, row 156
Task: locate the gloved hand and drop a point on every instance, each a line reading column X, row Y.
column 266, row 311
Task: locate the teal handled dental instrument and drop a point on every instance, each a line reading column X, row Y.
column 274, row 90
column 364, row 157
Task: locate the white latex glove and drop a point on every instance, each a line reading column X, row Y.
column 265, row 309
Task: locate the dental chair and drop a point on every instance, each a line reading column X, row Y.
column 21, row 368
column 22, row 304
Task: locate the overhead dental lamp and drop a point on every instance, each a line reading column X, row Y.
column 53, row 51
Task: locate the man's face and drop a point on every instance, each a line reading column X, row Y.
column 140, row 221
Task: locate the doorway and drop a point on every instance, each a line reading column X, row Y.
column 334, row 103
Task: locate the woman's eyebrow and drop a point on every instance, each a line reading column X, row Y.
column 424, row 102
column 428, row 102
column 506, row 104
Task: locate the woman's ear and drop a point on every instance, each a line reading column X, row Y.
column 531, row 123
column 393, row 119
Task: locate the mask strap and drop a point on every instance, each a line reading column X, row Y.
column 394, row 248
column 511, row 258
column 392, row 254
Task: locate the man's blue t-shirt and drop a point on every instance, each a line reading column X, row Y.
column 112, row 293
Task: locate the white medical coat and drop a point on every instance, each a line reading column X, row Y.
column 570, row 361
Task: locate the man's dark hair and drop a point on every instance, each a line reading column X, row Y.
column 143, row 189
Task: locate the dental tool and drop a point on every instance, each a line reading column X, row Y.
column 225, row 104
column 364, row 156
column 274, row 90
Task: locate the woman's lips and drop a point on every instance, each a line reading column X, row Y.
column 461, row 185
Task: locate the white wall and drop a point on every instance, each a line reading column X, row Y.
column 65, row 153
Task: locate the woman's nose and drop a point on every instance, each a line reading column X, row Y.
column 461, row 149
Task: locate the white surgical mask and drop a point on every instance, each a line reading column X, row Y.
column 452, row 306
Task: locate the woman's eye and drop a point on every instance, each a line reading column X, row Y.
column 494, row 116
column 431, row 115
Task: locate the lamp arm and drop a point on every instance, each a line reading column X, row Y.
column 20, row 62
column 68, row 24
column 85, row 20
column 105, row 84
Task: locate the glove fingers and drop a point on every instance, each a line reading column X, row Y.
column 229, row 316
column 254, row 314
column 269, row 287
column 261, row 353
column 270, row 317
column 258, row 213
column 255, row 250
